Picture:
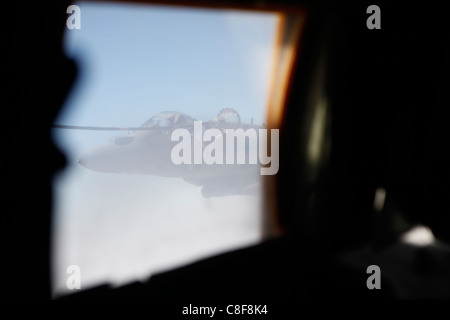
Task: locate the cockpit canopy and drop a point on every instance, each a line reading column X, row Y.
column 228, row 116
column 169, row 119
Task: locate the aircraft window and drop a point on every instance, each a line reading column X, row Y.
column 184, row 121
column 159, row 122
column 120, row 215
column 228, row 116
column 167, row 120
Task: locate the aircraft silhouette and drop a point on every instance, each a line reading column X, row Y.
column 146, row 150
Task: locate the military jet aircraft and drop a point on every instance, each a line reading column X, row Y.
column 148, row 150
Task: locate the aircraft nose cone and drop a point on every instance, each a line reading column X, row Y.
column 102, row 159
column 93, row 160
column 83, row 160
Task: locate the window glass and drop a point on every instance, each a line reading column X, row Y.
column 122, row 211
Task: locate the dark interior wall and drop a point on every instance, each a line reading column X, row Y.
column 35, row 80
column 386, row 89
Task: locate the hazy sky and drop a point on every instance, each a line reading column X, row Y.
column 135, row 61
